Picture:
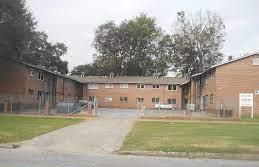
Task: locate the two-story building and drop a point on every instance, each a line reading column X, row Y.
column 29, row 82
column 129, row 92
column 220, row 87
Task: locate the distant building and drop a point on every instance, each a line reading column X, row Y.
column 129, row 92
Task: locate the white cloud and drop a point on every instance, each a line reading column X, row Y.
column 74, row 22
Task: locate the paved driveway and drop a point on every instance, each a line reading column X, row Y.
column 101, row 135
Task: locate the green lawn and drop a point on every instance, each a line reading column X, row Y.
column 17, row 128
column 193, row 137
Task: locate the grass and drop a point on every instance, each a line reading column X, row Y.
column 248, row 119
column 193, row 137
column 18, row 128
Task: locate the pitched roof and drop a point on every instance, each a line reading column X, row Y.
column 41, row 68
column 131, row 79
column 224, row 63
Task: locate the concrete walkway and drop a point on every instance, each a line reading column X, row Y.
column 102, row 135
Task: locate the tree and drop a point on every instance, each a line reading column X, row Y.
column 16, row 28
column 20, row 40
column 87, row 69
column 44, row 53
column 130, row 48
column 197, row 42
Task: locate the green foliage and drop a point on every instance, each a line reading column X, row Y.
column 87, row 69
column 197, row 42
column 131, row 48
column 20, row 40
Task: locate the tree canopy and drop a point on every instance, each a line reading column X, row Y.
column 139, row 47
column 20, row 40
column 133, row 47
column 197, row 42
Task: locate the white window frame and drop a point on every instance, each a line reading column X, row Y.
column 172, row 87
column 122, row 99
column 108, row 85
column 41, row 76
column 124, row 86
column 92, row 85
column 156, row 100
column 139, row 100
column 32, row 73
column 171, row 101
column 156, row 86
column 140, row 86
column 255, row 60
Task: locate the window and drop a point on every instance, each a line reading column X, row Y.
column 92, row 86
column 140, row 100
column 140, row 86
column 30, row 91
column 212, row 76
column 108, row 99
column 40, row 95
column 91, row 98
column 171, row 101
column 32, row 73
column 124, row 99
column 206, row 79
column 155, row 100
column 40, row 76
column 156, row 86
column 109, row 85
column 256, row 60
column 171, row 87
column 211, row 98
column 124, row 86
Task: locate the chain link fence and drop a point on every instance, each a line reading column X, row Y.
column 143, row 112
column 46, row 106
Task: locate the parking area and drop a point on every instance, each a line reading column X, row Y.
column 134, row 113
column 111, row 112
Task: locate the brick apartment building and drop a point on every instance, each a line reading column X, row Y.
column 19, row 79
column 129, row 92
column 219, row 87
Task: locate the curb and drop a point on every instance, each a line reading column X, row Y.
column 10, row 145
column 254, row 157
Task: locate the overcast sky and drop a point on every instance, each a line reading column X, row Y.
column 74, row 21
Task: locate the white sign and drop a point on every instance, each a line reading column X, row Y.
column 107, row 99
column 246, row 100
column 190, row 107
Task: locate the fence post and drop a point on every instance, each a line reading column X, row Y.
column 5, row 106
column 47, row 106
column 68, row 105
column 39, row 104
column 11, row 105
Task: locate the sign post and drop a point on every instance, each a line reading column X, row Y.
column 246, row 100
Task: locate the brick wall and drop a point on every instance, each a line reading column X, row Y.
column 132, row 92
column 234, row 78
column 67, row 88
column 12, row 78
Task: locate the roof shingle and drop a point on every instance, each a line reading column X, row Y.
column 131, row 79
